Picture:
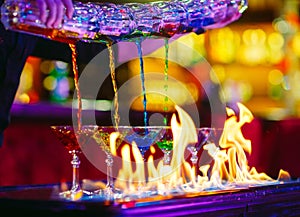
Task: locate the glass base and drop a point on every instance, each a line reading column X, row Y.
column 109, row 193
column 74, row 195
column 71, row 195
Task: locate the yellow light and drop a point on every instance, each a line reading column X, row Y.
column 276, row 56
column 217, row 74
column 186, row 40
column 254, row 50
column 296, row 44
column 275, row 77
column 224, row 44
column 254, row 37
column 47, row 66
column 275, row 40
column 186, row 50
column 50, row 83
column 24, row 98
column 27, row 77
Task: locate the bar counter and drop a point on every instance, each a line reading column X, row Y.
column 265, row 200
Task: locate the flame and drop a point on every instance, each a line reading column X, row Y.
column 112, row 142
column 231, row 162
column 229, row 168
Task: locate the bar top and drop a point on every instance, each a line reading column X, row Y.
column 267, row 200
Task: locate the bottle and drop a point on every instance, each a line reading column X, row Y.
column 97, row 22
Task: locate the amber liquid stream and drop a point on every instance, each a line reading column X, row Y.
column 114, row 83
column 76, row 83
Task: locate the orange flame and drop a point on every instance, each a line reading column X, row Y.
column 112, row 142
column 231, row 162
column 228, row 169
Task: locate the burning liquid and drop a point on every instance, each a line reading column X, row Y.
column 228, row 168
column 76, row 82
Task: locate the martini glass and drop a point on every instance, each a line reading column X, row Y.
column 205, row 134
column 72, row 140
column 143, row 136
column 102, row 138
column 166, row 144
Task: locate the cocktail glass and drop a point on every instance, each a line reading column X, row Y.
column 166, row 144
column 102, row 138
column 72, row 139
column 143, row 136
column 205, row 134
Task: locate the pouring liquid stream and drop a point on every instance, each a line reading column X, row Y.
column 114, row 83
column 76, row 83
column 166, row 77
column 142, row 74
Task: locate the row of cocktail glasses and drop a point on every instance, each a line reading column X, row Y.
column 73, row 139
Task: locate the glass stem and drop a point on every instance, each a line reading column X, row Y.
column 143, row 152
column 75, row 163
column 166, row 158
column 194, row 157
column 109, row 163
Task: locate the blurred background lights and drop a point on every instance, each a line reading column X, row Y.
column 255, row 61
column 276, row 47
column 27, row 90
column 61, row 92
column 47, row 66
column 50, row 83
column 27, row 75
column 296, row 44
column 57, row 81
column 275, row 77
column 59, row 65
column 281, row 25
column 217, row 74
column 24, row 98
column 254, row 48
column 224, row 44
column 275, row 41
column 233, row 91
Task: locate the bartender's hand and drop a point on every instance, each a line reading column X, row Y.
column 57, row 10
